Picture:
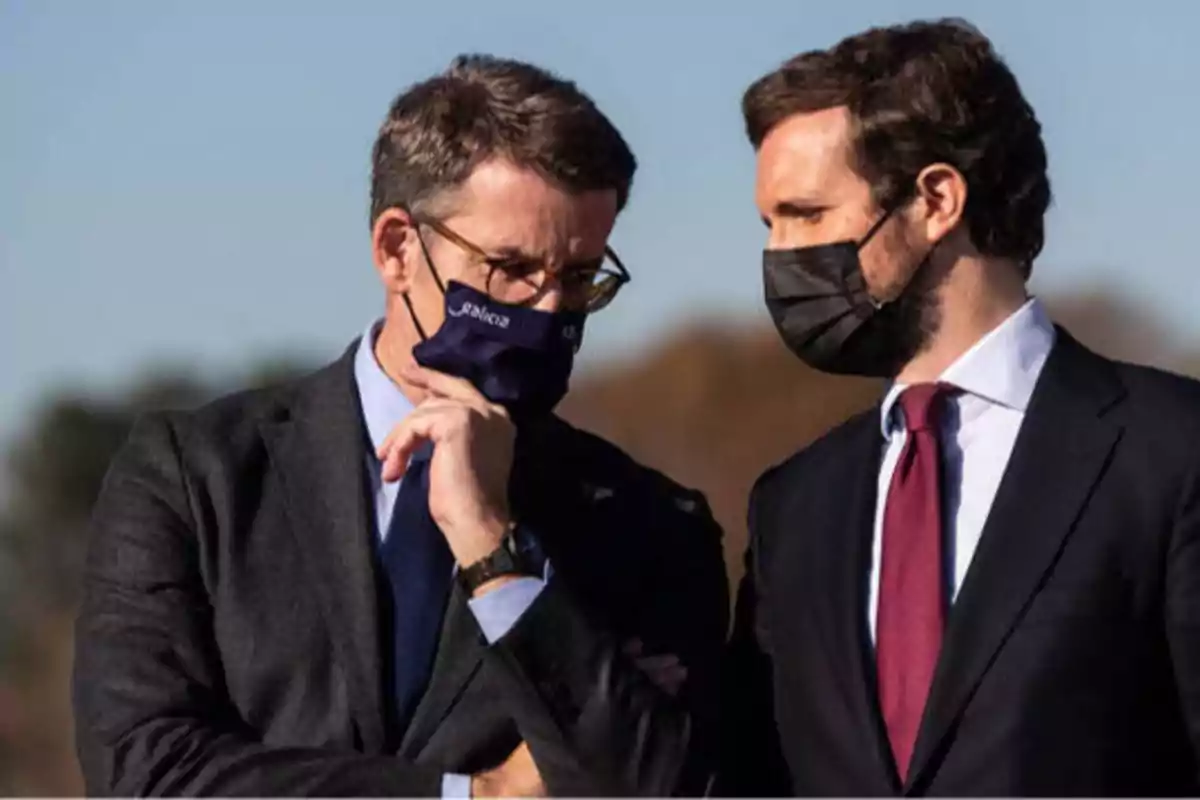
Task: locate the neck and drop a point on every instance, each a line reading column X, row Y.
column 393, row 350
column 977, row 296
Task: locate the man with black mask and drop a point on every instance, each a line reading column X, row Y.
column 403, row 575
column 989, row 584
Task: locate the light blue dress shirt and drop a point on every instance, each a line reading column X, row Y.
column 997, row 378
column 384, row 406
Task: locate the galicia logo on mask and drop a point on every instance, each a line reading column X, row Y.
column 518, row 357
column 469, row 309
column 820, row 304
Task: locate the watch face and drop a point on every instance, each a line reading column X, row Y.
column 503, row 562
column 510, row 558
column 528, row 550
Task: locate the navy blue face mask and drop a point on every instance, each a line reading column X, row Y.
column 517, row 357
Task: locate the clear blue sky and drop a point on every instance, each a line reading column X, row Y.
column 186, row 182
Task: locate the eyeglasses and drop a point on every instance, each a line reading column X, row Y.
column 519, row 281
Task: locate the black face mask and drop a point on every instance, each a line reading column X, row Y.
column 820, row 304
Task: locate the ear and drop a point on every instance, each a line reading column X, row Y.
column 942, row 192
column 395, row 249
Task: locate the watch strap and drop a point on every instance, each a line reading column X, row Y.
column 508, row 559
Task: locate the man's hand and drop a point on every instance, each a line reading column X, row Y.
column 472, row 459
column 665, row 671
column 517, row 777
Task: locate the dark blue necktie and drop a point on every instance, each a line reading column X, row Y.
column 419, row 568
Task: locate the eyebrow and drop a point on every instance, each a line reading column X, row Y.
column 511, row 253
column 517, row 254
column 795, row 205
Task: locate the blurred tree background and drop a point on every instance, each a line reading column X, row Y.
column 712, row 407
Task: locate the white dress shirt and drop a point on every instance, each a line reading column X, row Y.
column 977, row 433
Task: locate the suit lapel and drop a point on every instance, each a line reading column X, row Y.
column 459, row 656
column 319, row 453
column 841, row 566
column 1060, row 453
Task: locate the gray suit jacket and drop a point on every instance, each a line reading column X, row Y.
column 230, row 640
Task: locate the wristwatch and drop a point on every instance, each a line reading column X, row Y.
column 515, row 555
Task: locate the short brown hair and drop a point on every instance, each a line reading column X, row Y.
column 920, row 94
column 438, row 131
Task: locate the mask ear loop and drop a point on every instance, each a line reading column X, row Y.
column 874, row 229
column 425, row 250
column 413, row 314
column 870, row 234
column 437, row 279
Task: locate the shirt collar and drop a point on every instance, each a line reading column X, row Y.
column 383, row 404
column 1002, row 368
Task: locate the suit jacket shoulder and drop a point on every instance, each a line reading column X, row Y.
column 781, row 481
column 602, row 467
column 1158, row 411
column 233, row 419
column 831, row 446
column 1162, row 399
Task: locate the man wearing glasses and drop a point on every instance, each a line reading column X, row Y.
column 404, row 575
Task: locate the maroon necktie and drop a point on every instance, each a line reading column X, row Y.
column 912, row 605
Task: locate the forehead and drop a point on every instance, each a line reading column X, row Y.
column 510, row 206
column 806, row 156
